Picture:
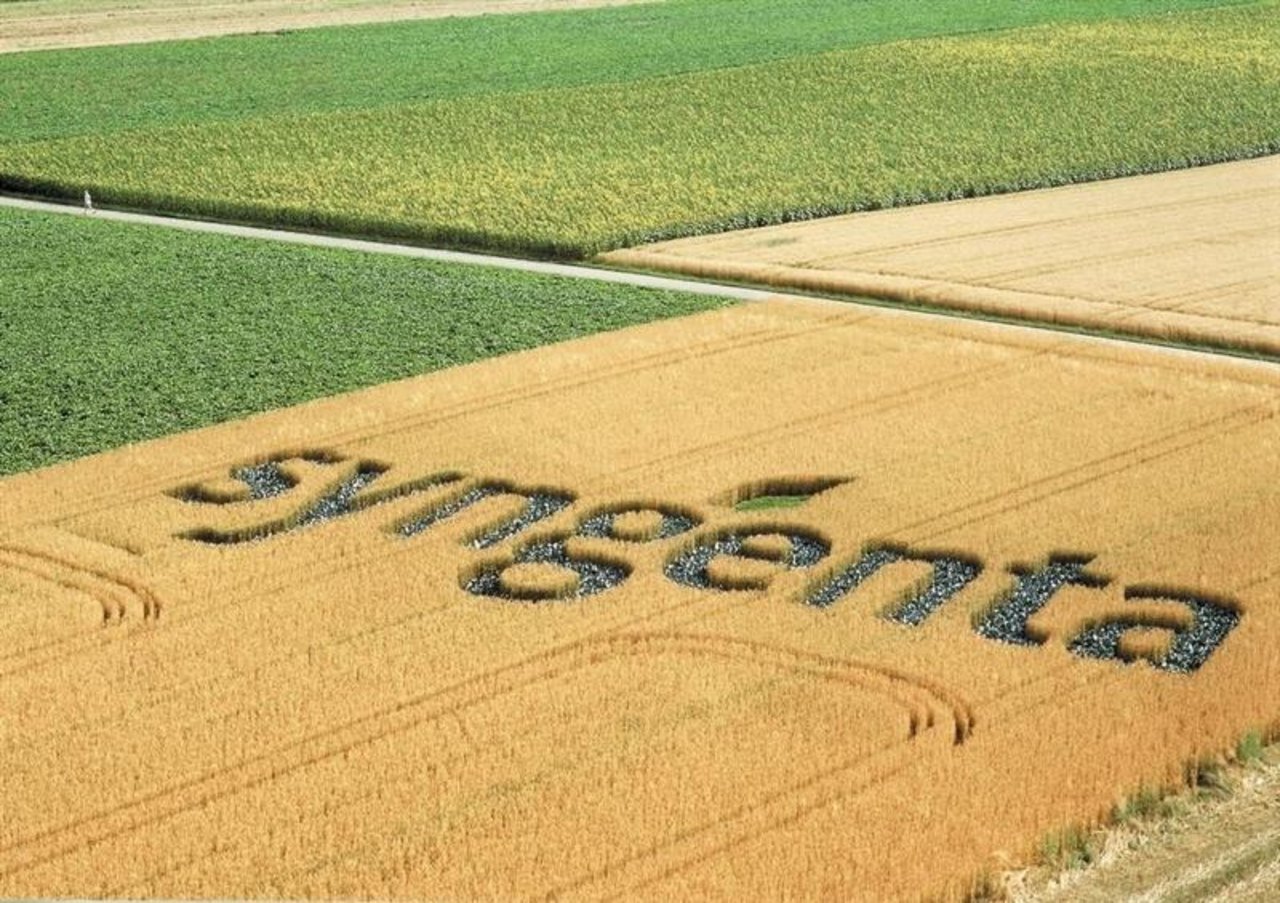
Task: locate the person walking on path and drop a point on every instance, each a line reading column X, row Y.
column 88, row 203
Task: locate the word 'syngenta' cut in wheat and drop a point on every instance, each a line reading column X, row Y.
column 759, row 549
column 781, row 599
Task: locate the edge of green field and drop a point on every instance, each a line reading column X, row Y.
column 112, row 333
column 96, row 90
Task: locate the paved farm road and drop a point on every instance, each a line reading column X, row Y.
column 670, row 283
column 354, row 244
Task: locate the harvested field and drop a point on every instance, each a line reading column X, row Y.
column 1190, row 256
column 503, row 631
column 1217, row 844
column 44, row 24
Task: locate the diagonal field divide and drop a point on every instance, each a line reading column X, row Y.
column 46, row 24
column 318, row 240
column 501, row 630
column 1186, row 256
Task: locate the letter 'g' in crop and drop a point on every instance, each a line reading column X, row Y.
column 595, row 573
column 692, row 566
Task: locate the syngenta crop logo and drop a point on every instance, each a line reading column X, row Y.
column 713, row 554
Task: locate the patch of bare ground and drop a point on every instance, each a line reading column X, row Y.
column 1218, row 841
column 43, row 24
column 1191, row 255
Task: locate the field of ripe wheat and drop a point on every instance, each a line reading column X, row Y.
column 517, row 629
column 1187, row 256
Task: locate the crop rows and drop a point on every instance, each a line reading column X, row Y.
column 99, row 90
column 114, row 333
column 332, row 710
column 575, row 171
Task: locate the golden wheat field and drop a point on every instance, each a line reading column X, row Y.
column 503, row 631
column 1191, row 255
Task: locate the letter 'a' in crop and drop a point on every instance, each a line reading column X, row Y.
column 1211, row 621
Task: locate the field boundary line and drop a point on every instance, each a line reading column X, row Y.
column 1032, row 308
column 316, row 239
column 624, row 266
column 453, row 411
column 143, row 24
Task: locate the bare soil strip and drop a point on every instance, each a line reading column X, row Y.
column 501, row 631
column 1212, row 849
column 1191, row 255
column 43, row 24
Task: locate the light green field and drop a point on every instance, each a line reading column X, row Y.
column 574, row 160
column 95, row 91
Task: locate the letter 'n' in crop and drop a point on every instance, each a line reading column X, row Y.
column 949, row 576
column 539, row 505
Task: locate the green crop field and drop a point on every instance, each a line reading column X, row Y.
column 572, row 133
column 58, row 93
column 111, row 333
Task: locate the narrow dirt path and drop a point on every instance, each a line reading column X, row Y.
column 43, row 24
column 649, row 280
column 377, row 247
column 1219, row 850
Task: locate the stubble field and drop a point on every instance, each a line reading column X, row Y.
column 504, row 631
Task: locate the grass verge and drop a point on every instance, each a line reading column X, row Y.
column 113, row 333
column 1178, row 814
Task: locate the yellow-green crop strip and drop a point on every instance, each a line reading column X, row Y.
column 60, row 93
column 570, row 171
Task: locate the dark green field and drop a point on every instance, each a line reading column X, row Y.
column 111, row 333
column 571, row 133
